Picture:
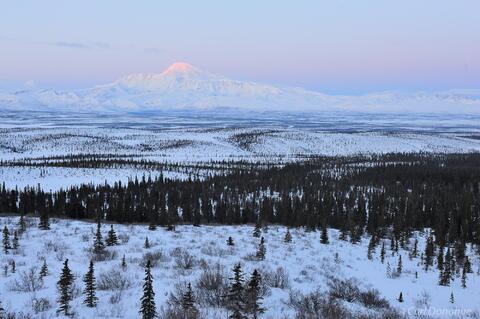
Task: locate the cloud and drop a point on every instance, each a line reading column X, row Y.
column 153, row 50
column 81, row 45
column 73, row 45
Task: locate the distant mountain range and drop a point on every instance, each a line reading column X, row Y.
column 183, row 86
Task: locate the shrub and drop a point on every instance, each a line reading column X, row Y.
column 316, row 305
column 185, row 261
column 155, row 257
column 372, row 299
column 276, row 279
column 28, row 281
column 344, row 289
column 40, row 305
column 212, row 286
column 114, row 280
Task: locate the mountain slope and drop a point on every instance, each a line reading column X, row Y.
column 185, row 86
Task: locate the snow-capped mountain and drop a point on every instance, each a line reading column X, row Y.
column 185, row 86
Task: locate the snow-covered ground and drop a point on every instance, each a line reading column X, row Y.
column 309, row 265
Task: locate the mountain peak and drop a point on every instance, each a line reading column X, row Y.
column 181, row 67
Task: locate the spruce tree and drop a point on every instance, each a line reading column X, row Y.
column 44, row 223
column 112, row 238
column 429, row 252
column 188, row 303
column 400, row 297
column 257, row 231
column 230, row 241
column 371, row 247
column 98, row 245
column 324, row 235
column 89, row 291
column 382, row 252
column 65, row 289
column 399, row 265
column 464, row 278
column 261, row 251
column 124, row 263
column 148, row 309
column 415, row 249
column 236, row 302
column 452, row 298
column 253, row 304
column 288, row 237
column 14, row 266
column 146, row 245
column 6, row 240
column 467, row 265
column 22, row 226
column 15, row 240
column 2, row 311
column 44, row 270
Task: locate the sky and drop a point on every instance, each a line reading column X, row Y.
column 340, row 47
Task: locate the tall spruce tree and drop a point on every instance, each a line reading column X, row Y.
column 236, row 301
column 65, row 289
column 89, row 291
column 288, row 237
column 148, row 309
column 188, row 303
column 44, row 270
column 44, row 223
column 98, row 245
column 324, row 235
column 261, row 251
column 257, row 231
column 112, row 238
column 253, row 299
column 15, row 240
column 6, row 240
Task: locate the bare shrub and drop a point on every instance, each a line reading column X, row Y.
column 276, row 279
column 27, row 281
column 113, row 280
column 185, row 261
column 316, row 305
column 105, row 255
column 212, row 286
column 155, row 257
column 40, row 305
column 344, row 289
column 372, row 299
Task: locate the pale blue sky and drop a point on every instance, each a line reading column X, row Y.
column 332, row 46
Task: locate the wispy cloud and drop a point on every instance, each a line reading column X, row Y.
column 73, row 45
column 81, row 45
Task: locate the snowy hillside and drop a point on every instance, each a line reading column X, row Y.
column 296, row 275
column 185, row 86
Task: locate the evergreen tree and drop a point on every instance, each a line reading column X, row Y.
column 253, row 298
column 148, row 309
column 371, row 247
column 65, row 289
column 446, row 273
column 44, row 270
column 236, row 294
column 399, row 265
column 6, row 240
column 400, row 297
column 261, row 251
column 464, row 278
column 452, row 299
column 98, row 245
column 257, row 231
column 22, row 226
column 14, row 266
column 124, row 263
column 288, row 237
column 440, row 259
column 188, row 303
column 146, row 245
column 15, row 240
column 382, row 252
column 112, row 238
column 44, row 223
column 2, row 311
column 230, row 241
column 324, row 235
column 89, row 280
column 467, row 265
column 429, row 252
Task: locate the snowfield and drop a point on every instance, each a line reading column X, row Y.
column 305, row 266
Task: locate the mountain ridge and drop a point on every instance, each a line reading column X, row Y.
column 185, row 86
